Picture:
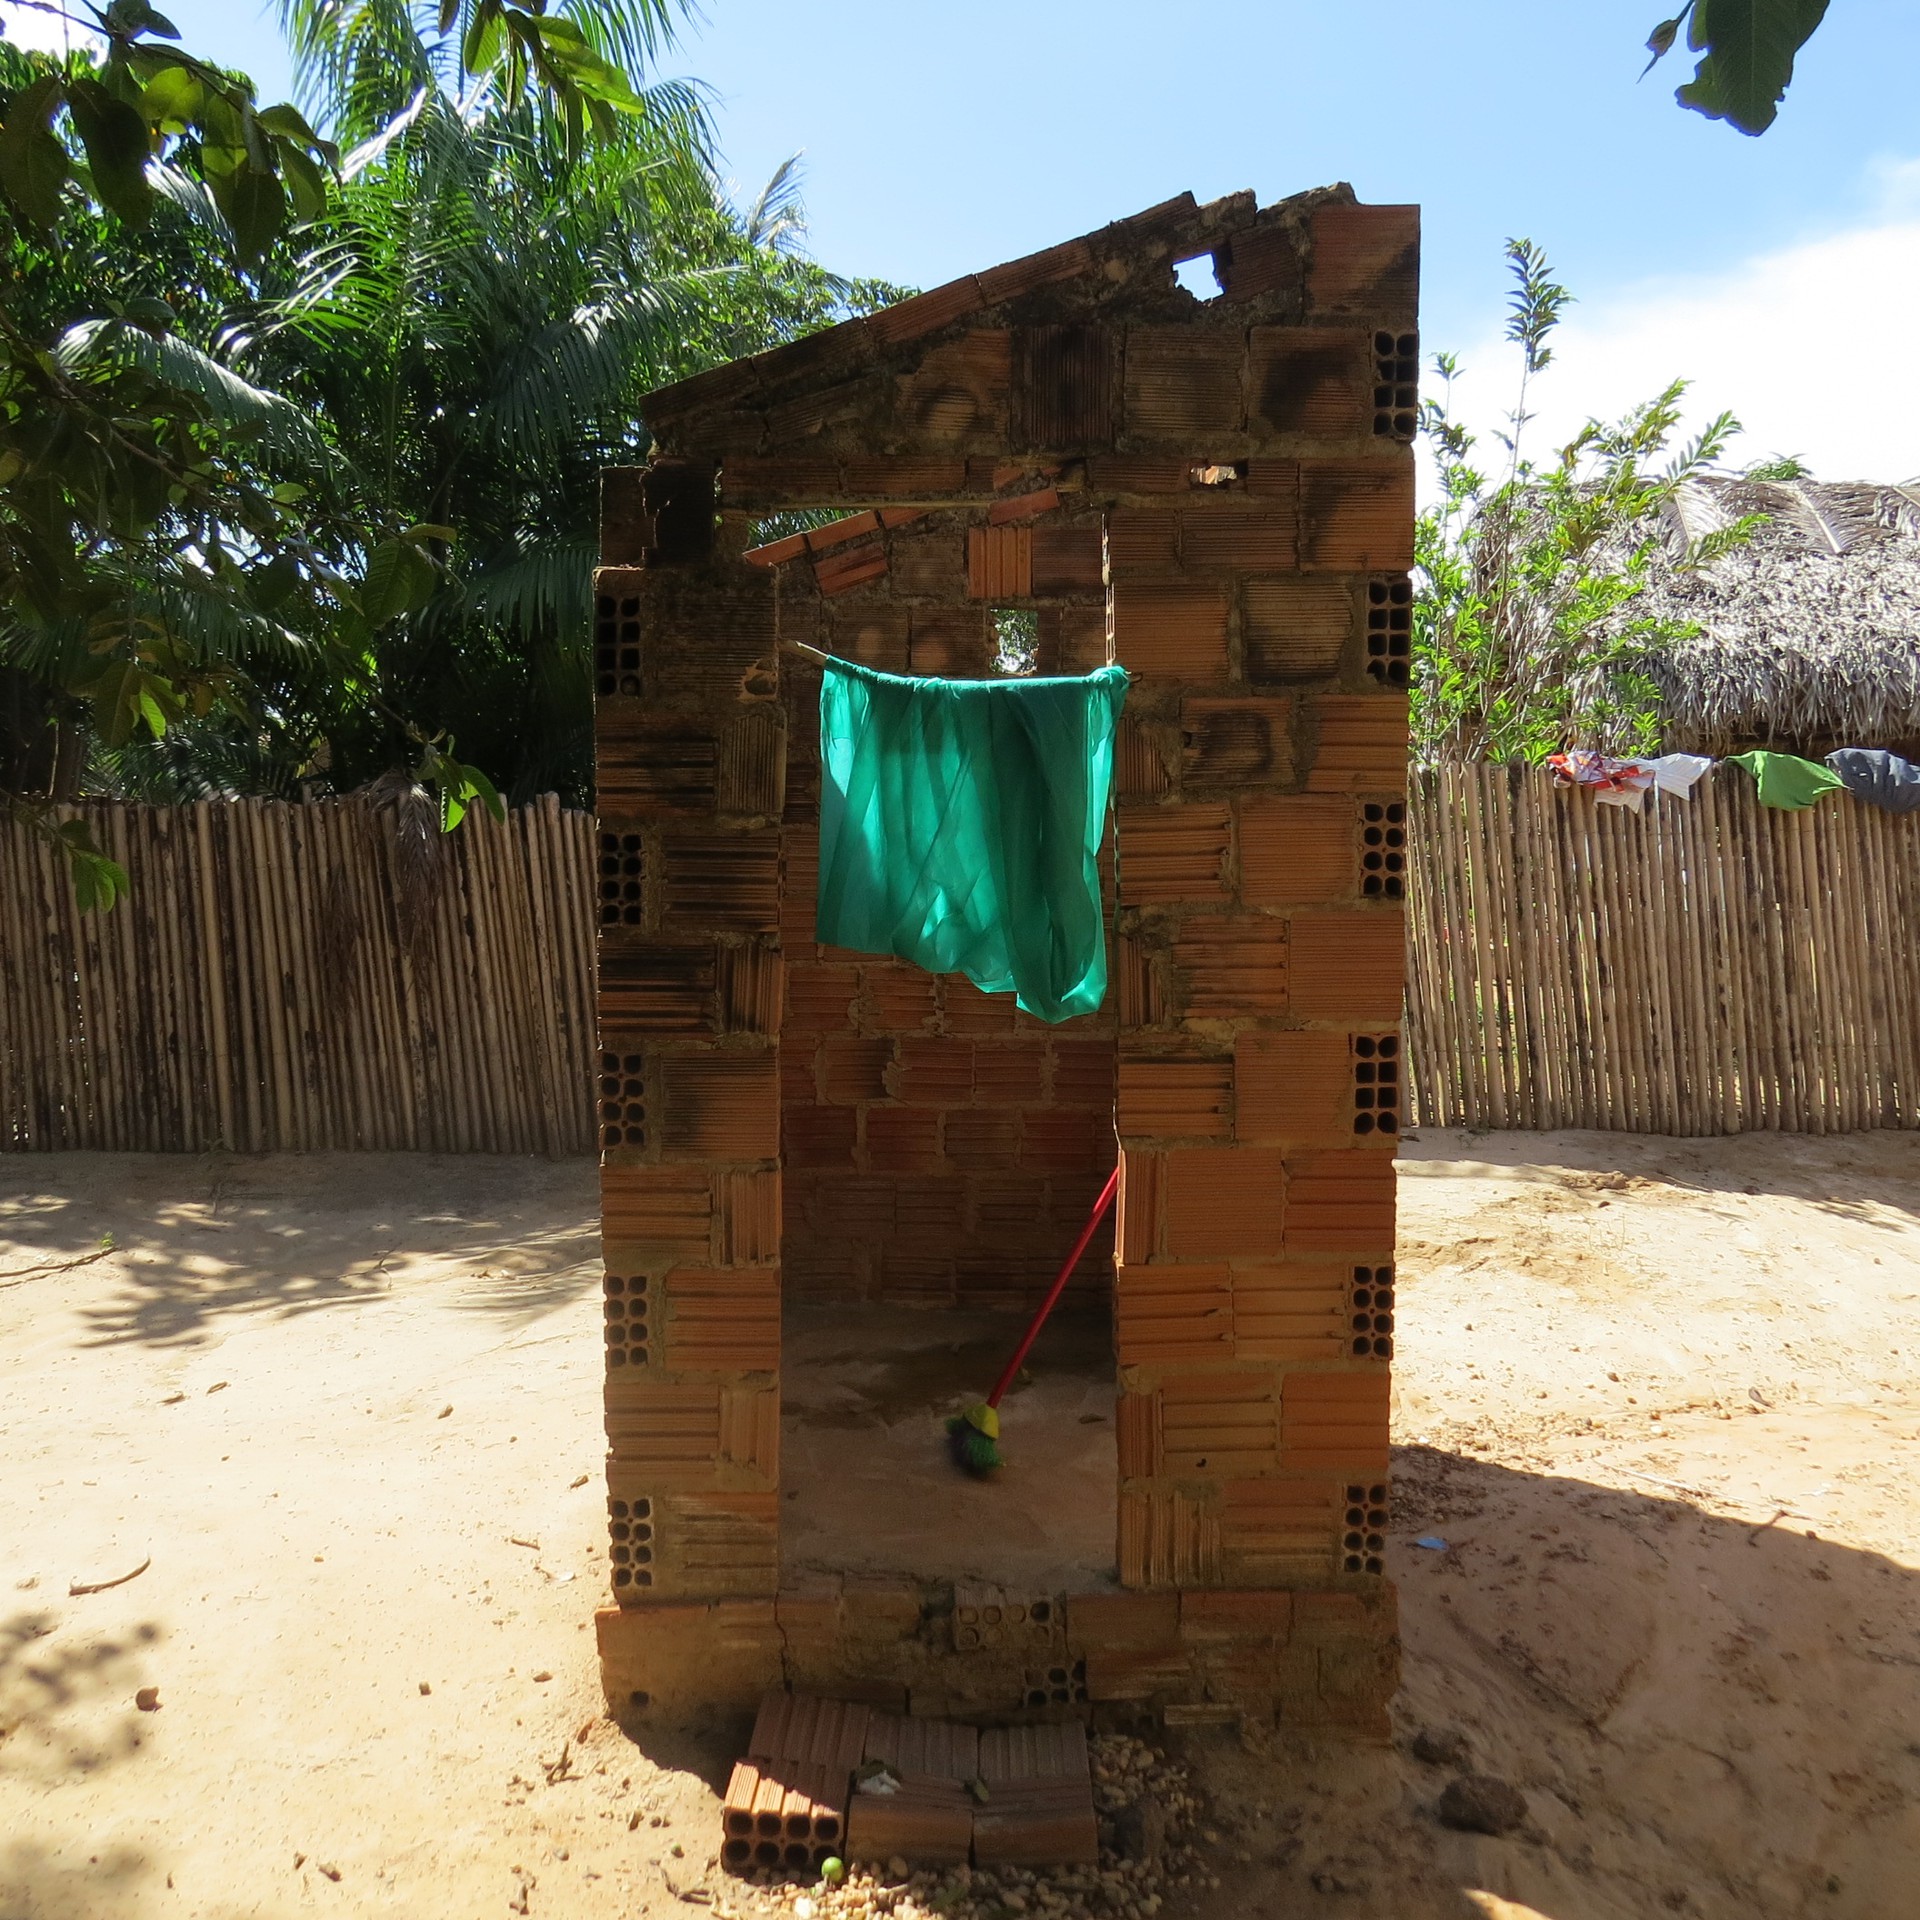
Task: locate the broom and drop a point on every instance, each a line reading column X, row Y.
column 975, row 1434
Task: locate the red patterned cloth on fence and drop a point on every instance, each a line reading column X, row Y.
column 1615, row 783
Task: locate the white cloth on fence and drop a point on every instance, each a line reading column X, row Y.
column 1679, row 773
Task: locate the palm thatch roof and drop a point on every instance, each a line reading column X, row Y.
column 1809, row 631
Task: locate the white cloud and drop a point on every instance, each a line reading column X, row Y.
column 1806, row 346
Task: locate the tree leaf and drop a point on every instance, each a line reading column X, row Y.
column 305, row 181
column 118, row 147
column 254, row 205
column 33, row 164
column 173, row 99
column 1750, row 47
column 399, row 579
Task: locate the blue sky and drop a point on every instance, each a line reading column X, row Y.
column 935, row 139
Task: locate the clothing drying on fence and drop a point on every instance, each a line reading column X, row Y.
column 1873, row 774
column 1679, row 773
column 1786, row 781
column 960, row 827
column 1618, row 783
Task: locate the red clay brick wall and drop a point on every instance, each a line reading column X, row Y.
column 1248, row 465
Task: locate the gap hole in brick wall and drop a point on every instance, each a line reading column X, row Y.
column 1016, row 640
column 1198, row 277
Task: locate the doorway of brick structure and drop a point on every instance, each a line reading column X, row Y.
column 941, row 1149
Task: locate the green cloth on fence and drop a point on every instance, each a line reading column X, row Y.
column 1785, row 780
column 960, row 826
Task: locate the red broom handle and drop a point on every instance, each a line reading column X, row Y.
column 1039, row 1320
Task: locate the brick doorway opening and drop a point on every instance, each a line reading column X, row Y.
column 940, row 1148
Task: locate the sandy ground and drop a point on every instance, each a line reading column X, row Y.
column 1656, row 1398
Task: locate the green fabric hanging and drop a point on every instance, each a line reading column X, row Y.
column 1784, row 780
column 960, row 825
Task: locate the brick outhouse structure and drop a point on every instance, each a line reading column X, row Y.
column 1218, row 493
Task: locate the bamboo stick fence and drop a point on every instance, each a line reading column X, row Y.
column 267, row 985
column 1710, row 966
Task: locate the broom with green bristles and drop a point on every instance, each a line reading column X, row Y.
column 975, row 1434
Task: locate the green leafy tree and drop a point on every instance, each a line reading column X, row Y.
column 1747, row 50
column 1525, row 639
column 298, row 489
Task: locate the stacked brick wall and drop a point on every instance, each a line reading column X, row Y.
column 1246, row 465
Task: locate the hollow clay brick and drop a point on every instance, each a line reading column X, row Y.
column 1295, row 1087
column 924, row 313
column 1174, row 1095
column 1293, row 1310
column 1170, row 632
column 841, row 572
column 1173, row 852
column 661, row 1211
column 959, row 392
column 1277, row 1531
column 927, row 1822
column 671, row 1431
column 729, row 881
column 1055, row 1752
column 649, row 771
column 1365, row 258
column 1347, row 966
column 1356, row 516
column 1296, row 629
column 748, row 1206
column 780, row 1814
column 1183, row 383
column 1139, row 765
column 1232, row 969
column 1223, row 1615
column 1143, row 543
column 1083, row 1074
column 933, row 1749
column 1335, row 1421
column 1063, row 1141
column 999, row 563
column 1362, row 745
column 980, row 1138
column 1036, row 1823
column 1260, row 262
column 1024, row 506
column 853, row 1070
column 965, row 1009
column 1235, row 742
column 1141, row 1204
column 1296, row 850
column 933, row 1070
column 1341, row 1202
column 1316, row 381
column 950, row 641
column 1225, row 1200
column 903, row 1139
column 1123, row 1622
column 1063, row 387
column 1239, row 538
column 717, row 1543
column 751, row 986
column 1009, row 1076
column 872, row 632
column 819, row 998
column 912, row 477
column 1153, row 1674
column 658, row 987
column 721, row 1106
column 1052, row 264
column 1221, row 1425
column 1066, row 560
column 722, row 1320
column 798, row 1727
column 1170, row 1315
column 895, row 998
column 1167, row 1538
column 1139, row 987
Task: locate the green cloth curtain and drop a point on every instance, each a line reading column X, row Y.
column 960, row 825
column 1785, row 780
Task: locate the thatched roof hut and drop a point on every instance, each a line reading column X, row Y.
column 1809, row 632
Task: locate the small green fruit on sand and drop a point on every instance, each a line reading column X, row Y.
column 833, row 1870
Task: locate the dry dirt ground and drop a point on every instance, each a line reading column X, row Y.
column 1656, row 1398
